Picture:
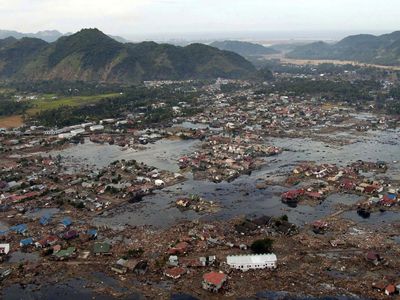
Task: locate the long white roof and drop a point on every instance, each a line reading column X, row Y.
column 251, row 259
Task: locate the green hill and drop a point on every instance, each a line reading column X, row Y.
column 244, row 48
column 90, row 55
column 367, row 48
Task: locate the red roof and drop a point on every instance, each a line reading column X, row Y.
column 372, row 255
column 175, row 272
column 314, row 195
column 390, row 289
column 16, row 198
column 293, row 194
column 348, row 184
column 320, row 224
column 386, row 200
column 370, row 189
column 181, row 248
column 214, row 278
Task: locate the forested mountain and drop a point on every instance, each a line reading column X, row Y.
column 383, row 49
column 90, row 55
column 244, row 48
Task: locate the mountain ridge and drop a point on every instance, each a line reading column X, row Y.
column 47, row 35
column 244, row 48
column 91, row 55
column 366, row 48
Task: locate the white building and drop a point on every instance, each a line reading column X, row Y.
column 4, row 249
column 84, row 125
column 66, row 135
column 96, row 128
column 122, row 122
column 159, row 182
column 252, row 262
column 107, row 121
column 54, row 131
column 77, row 131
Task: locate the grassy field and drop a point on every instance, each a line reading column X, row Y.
column 48, row 101
column 11, row 122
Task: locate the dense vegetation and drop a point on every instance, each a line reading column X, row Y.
column 393, row 103
column 134, row 100
column 65, row 88
column 10, row 107
column 383, row 49
column 94, row 49
column 92, row 56
column 328, row 89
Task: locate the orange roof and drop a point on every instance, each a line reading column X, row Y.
column 214, row 278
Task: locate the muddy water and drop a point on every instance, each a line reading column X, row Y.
column 237, row 198
column 241, row 196
column 38, row 213
column 3, row 226
column 163, row 154
column 75, row 288
column 18, row 257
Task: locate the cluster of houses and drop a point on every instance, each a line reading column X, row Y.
column 350, row 179
column 56, row 244
column 39, row 182
column 214, row 281
column 225, row 158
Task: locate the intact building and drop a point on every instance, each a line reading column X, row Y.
column 252, row 262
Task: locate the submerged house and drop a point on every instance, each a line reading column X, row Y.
column 292, row 196
column 252, row 262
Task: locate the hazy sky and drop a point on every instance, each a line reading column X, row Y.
column 141, row 18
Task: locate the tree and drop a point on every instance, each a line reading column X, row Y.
column 262, row 246
column 284, row 218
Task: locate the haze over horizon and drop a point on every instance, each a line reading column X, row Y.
column 206, row 19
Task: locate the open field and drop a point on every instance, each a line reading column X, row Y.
column 47, row 102
column 327, row 61
column 337, row 62
column 11, row 121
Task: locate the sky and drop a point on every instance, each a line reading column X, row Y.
column 146, row 19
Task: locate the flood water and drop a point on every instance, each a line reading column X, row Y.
column 20, row 257
column 240, row 197
column 74, row 288
column 163, row 154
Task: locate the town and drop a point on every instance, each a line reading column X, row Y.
column 208, row 189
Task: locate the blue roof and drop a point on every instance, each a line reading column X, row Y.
column 66, row 222
column 20, row 228
column 26, row 242
column 44, row 220
column 3, row 232
column 392, row 196
column 92, row 232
